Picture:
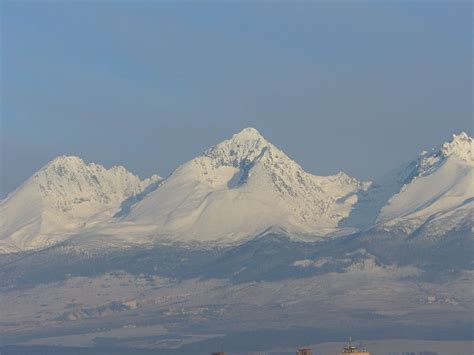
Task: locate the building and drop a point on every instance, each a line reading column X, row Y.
column 305, row 351
column 350, row 349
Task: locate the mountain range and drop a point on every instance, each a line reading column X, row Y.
column 234, row 191
column 239, row 248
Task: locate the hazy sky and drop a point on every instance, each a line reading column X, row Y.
column 338, row 85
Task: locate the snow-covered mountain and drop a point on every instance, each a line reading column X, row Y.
column 125, row 249
column 63, row 197
column 241, row 187
column 437, row 185
column 440, row 185
column 234, row 191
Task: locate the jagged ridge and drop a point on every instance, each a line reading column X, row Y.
column 234, row 191
column 63, row 197
column 243, row 185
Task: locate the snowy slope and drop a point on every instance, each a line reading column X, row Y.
column 234, row 191
column 240, row 187
column 62, row 198
column 441, row 182
column 434, row 184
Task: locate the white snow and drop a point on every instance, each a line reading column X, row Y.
column 241, row 187
column 234, row 191
column 62, row 198
column 428, row 189
column 442, row 181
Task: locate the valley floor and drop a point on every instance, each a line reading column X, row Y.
column 198, row 316
column 376, row 347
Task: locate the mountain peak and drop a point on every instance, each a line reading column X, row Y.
column 66, row 160
column 67, row 179
column 242, row 148
column 460, row 145
column 248, row 133
column 63, row 165
column 70, row 164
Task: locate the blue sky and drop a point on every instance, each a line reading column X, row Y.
column 358, row 86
